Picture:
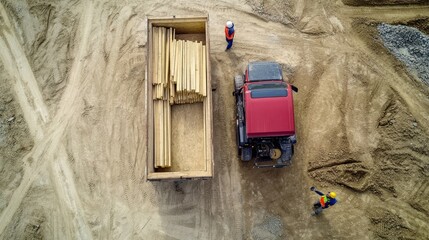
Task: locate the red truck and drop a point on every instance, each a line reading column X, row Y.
column 265, row 115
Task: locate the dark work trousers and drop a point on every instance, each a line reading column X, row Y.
column 229, row 43
column 317, row 208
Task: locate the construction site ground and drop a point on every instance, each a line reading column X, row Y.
column 73, row 124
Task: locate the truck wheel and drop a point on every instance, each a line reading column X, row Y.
column 246, row 154
column 238, row 82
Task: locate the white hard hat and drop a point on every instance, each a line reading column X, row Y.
column 229, row 24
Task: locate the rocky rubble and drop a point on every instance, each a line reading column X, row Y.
column 409, row 45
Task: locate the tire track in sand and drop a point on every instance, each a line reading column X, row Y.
column 47, row 144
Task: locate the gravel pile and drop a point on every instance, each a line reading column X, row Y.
column 271, row 227
column 409, row 45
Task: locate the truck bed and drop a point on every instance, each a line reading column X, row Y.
column 191, row 124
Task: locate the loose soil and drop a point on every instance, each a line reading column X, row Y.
column 73, row 124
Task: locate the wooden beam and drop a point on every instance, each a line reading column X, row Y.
column 161, row 123
column 164, row 135
column 204, row 71
column 183, row 66
column 153, row 51
column 159, row 60
column 168, row 135
column 156, row 134
column 192, row 65
column 155, row 55
column 197, row 67
column 188, row 65
column 167, row 58
column 179, row 66
column 172, row 58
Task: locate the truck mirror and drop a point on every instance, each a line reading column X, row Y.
column 295, row 89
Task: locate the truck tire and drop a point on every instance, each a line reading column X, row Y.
column 238, row 82
column 246, row 154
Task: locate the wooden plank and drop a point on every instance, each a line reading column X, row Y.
column 208, row 104
column 153, row 92
column 156, row 133
column 155, row 54
column 167, row 58
column 184, row 64
column 173, row 63
column 205, row 114
column 176, row 56
column 179, row 66
column 197, row 67
column 176, row 59
column 183, row 67
column 168, row 135
column 149, row 102
column 204, row 71
column 158, row 81
column 193, row 63
column 161, row 134
column 171, row 93
column 164, row 135
column 179, row 175
column 184, row 80
column 162, row 55
column 176, row 68
column 188, row 65
column 200, row 73
column 157, row 91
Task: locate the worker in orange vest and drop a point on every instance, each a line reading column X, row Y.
column 324, row 202
column 229, row 34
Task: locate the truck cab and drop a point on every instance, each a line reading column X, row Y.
column 265, row 115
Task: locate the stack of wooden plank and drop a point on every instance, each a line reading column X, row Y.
column 179, row 77
column 188, row 71
column 161, row 38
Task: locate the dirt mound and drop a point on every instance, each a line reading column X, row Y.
column 276, row 11
column 15, row 140
column 387, row 225
column 382, row 2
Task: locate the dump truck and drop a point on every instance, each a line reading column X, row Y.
column 265, row 122
column 179, row 100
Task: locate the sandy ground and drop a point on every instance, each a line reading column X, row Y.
column 72, row 125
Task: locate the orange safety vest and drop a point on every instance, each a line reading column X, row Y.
column 323, row 200
column 227, row 35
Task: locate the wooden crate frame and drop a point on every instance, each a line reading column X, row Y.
column 189, row 25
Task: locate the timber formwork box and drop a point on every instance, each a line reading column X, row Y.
column 191, row 125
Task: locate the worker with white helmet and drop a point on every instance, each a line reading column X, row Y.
column 229, row 34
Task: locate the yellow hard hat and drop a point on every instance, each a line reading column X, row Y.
column 332, row 194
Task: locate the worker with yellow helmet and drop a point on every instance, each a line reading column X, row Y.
column 324, row 202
